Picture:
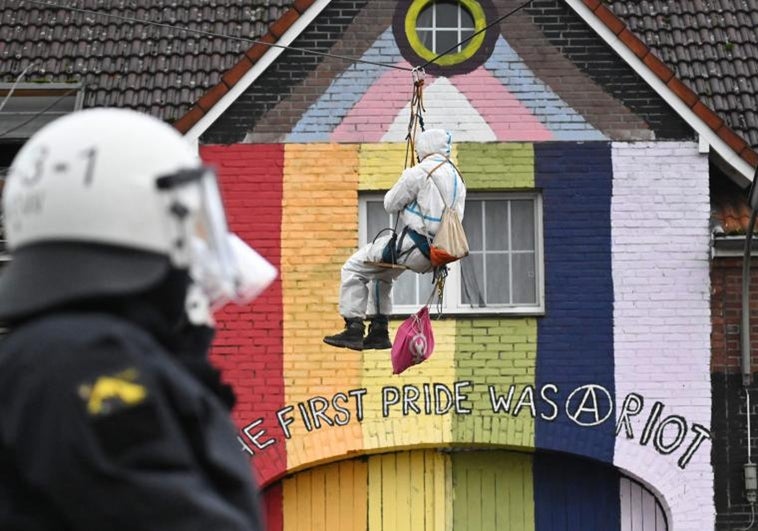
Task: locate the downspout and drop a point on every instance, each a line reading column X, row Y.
column 745, row 327
column 750, row 469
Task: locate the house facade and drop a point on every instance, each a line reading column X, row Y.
column 570, row 384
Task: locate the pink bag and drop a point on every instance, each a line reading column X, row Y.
column 414, row 341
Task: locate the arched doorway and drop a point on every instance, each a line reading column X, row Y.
column 465, row 490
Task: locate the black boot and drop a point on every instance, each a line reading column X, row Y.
column 378, row 336
column 351, row 337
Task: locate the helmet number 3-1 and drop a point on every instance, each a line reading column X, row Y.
column 84, row 163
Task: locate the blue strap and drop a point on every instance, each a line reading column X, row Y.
column 420, row 241
column 412, row 208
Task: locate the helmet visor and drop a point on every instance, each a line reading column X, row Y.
column 204, row 248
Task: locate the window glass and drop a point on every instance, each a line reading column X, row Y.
column 497, row 277
column 496, row 225
column 445, row 40
column 442, row 25
column 523, row 278
column 447, row 14
column 426, row 17
column 377, row 219
column 502, row 266
column 522, row 216
column 427, row 38
column 467, row 21
column 472, row 224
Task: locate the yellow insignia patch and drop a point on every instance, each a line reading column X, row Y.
column 113, row 392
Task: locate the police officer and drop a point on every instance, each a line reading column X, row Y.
column 112, row 417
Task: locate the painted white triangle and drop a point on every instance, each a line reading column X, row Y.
column 446, row 108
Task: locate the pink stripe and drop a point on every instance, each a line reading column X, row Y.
column 372, row 116
column 505, row 115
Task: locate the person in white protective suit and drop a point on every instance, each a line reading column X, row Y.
column 419, row 203
column 113, row 416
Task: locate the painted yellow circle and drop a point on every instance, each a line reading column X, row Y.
column 469, row 49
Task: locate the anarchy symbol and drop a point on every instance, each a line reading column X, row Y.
column 418, row 348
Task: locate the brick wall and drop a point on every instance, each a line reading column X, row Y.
column 662, row 319
column 575, row 337
column 729, row 452
column 626, row 265
column 495, row 355
column 726, row 309
column 249, row 341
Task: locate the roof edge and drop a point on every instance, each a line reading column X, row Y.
column 727, row 143
column 255, row 61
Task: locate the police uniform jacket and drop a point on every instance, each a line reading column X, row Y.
column 102, row 428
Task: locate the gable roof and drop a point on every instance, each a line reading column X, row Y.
column 711, row 126
column 711, row 47
column 159, row 70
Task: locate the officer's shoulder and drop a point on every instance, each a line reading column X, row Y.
column 80, row 327
column 50, row 340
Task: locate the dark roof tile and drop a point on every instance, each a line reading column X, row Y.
column 153, row 61
column 711, row 44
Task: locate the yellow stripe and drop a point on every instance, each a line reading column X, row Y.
column 319, row 229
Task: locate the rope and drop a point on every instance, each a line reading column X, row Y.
column 417, row 118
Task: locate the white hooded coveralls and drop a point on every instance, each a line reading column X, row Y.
column 419, row 204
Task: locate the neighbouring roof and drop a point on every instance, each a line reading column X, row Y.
column 158, row 70
column 730, row 211
column 712, row 47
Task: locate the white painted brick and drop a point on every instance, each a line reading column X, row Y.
column 659, row 221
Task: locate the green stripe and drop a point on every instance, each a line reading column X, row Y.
column 492, row 491
column 496, row 353
column 496, row 166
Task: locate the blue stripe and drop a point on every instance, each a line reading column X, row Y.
column 575, row 337
column 572, row 493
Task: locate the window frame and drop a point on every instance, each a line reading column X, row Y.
column 453, row 304
column 468, row 50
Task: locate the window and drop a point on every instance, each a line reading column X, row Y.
column 432, row 27
column 443, row 24
column 503, row 273
column 29, row 106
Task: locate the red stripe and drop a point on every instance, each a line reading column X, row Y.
column 249, row 343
